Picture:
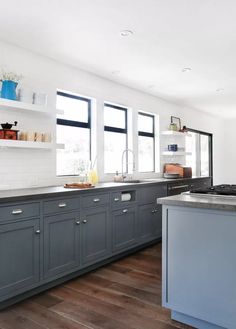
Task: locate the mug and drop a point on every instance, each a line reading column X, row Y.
column 172, row 147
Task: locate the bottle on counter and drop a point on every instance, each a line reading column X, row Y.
column 117, row 177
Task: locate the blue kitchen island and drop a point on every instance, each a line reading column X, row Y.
column 199, row 260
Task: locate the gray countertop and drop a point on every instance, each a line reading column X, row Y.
column 200, row 201
column 50, row 191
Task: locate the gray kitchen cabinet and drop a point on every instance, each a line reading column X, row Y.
column 19, row 256
column 96, row 234
column 61, row 244
column 124, row 226
column 149, row 222
column 149, row 213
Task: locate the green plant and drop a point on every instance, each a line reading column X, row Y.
column 6, row 75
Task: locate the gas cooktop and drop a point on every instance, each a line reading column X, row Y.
column 225, row 189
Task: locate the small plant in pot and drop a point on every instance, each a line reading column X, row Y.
column 9, row 83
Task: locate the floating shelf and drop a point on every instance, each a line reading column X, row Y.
column 5, row 143
column 177, row 153
column 15, row 105
column 175, row 133
column 58, row 111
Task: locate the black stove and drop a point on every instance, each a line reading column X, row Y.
column 225, row 189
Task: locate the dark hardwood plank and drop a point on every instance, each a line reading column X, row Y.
column 88, row 317
column 46, row 300
column 129, row 318
column 46, row 317
column 11, row 320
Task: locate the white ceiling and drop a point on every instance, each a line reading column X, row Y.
column 168, row 36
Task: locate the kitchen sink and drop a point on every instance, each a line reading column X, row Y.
column 132, row 181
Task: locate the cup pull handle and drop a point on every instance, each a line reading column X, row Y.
column 62, row 205
column 17, row 211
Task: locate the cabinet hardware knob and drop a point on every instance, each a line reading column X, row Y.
column 116, row 199
column 37, row 232
column 62, row 205
column 17, row 211
column 78, row 222
column 153, row 211
column 84, row 221
column 125, row 211
column 96, row 200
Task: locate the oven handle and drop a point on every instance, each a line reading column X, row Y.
column 177, row 187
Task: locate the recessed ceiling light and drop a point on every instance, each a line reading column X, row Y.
column 115, row 72
column 126, row 33
column 186, row 69
column 219, row 90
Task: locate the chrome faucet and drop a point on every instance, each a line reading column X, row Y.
column 122, row 161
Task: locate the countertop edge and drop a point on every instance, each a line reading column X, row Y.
column 199, row 202
column 30, row 194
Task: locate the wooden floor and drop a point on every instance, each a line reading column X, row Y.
column 122, row 295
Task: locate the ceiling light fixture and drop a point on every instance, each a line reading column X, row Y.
column 126, row 33
column 115, row 72
column 219, row 90
column 186, row 69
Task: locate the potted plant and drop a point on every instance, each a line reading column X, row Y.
column 9, row 83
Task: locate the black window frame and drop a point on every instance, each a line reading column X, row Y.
column 151, row 135
column 78, row 124
column 74, row 123
column 118, row 130
column 210, row 140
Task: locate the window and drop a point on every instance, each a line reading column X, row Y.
column 200, row 145
column 73, row 130
column 115, row 137
column 146, row 142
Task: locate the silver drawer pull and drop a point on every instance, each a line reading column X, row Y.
column 96, row 200
column 17, row 211
column 62, row 205
column 177, row 187
column 125, row 211
column 154, row 211
column 116, row 199
column 37, row 232
column 77, row 223
column 84, row 221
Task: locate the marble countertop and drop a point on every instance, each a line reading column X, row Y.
column 50, row 191
column 227, row 203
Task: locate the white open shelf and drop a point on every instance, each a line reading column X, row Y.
column 58, row 111
column 28, row 145
column 177, row 153
column 175, row 133
column 15, row 105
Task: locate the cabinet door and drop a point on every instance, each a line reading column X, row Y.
column 149, row 222
column 19, row 256
column 96, row 234
column 61, row 244
column 124, row 228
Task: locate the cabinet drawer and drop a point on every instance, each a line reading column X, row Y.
column 60, row 205
column 19, row 211
column 123, row 199
column 95, row 200
column 149, row 194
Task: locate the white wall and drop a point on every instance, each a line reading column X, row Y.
column 24, row 168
